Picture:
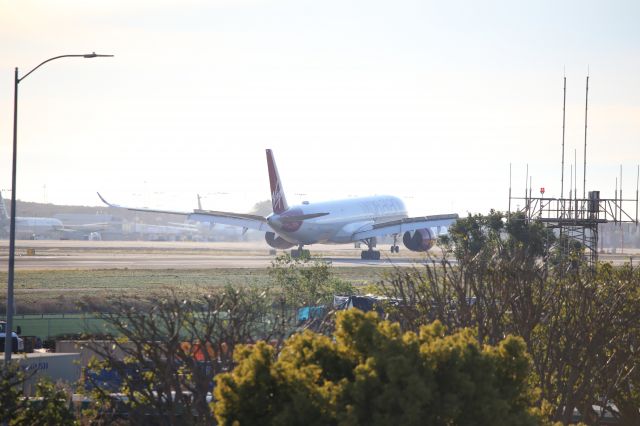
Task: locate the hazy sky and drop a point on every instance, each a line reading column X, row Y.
column 427, row 100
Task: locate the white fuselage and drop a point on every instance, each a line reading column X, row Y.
column 29, row 226
column 37, row 226
column 344, row 218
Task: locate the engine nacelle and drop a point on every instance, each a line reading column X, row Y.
column 419, row 240
column 276, row 241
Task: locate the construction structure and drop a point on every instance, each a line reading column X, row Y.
column 575, row 221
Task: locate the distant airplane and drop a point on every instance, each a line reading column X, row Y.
column 345, row 221
column 216, row 233
column 43, row 227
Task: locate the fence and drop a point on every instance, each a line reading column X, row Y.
column 47, row 326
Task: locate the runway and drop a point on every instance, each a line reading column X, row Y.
column 87, row 255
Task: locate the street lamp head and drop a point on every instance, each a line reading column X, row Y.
column 95, row 55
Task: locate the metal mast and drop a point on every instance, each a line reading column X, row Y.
column 584, row 172
column 564, row 103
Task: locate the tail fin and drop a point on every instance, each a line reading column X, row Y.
column 278, row 200
column 4, row 215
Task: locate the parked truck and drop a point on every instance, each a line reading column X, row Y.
column 17, row 342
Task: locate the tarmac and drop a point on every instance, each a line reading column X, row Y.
column 87, row 255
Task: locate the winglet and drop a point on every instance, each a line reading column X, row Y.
column 278, row 200
column 106, row 202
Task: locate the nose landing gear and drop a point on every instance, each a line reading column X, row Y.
column 300, row 253
column 370, row 254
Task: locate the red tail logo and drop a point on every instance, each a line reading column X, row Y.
column 278, row 200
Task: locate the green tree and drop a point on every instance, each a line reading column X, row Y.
column 580, row 325
column 167, row 353
column 11, row 380
column 477, row 239
column 50, row 407
column 373, row 374
column 306, row 281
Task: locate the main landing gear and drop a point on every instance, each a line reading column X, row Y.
column 300, row 253
column 370, row 254
column 395, row 248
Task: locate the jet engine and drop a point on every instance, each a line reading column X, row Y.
column 276, row 241
column 419, row 240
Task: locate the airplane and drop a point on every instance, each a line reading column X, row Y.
column 39, row 227
column 224, row 233
column 351, row 220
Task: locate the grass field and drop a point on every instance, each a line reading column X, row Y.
column 48, row 292
column 47, row 301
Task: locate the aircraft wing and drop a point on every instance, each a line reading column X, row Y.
column 248, row 221
column 140, row 209
column 437, row 223
column 241, row 220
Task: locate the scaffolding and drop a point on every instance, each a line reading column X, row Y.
column 573, row 219
column 578, row 219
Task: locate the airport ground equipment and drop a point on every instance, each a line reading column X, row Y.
column 17, row 343
column 57, row 367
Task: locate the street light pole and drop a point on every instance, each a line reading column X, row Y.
column 8, row 341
